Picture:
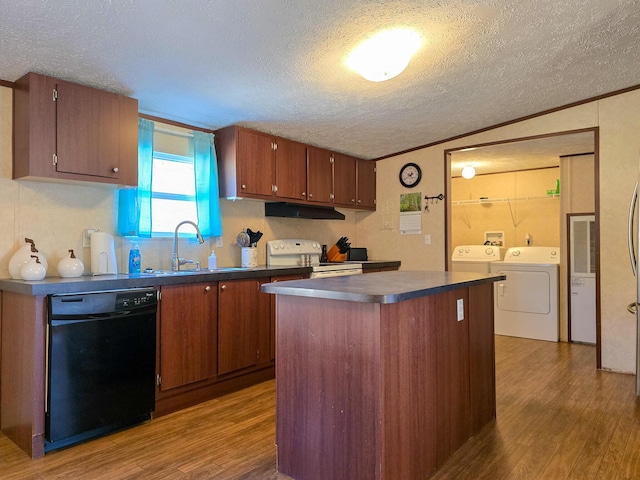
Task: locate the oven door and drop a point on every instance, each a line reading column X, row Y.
column 336, row 273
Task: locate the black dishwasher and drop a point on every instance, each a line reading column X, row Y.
column 101, row 353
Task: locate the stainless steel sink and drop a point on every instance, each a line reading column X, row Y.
column 162, row 273
column 169, row 273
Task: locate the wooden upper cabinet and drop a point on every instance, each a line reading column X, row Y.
column 344, row 180
column 256, row 164
column 67, row 131
column 291, row 170
column 319, row 176
column 366, row 184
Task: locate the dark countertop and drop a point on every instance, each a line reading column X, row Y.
column 382, row 287
column 91, row 283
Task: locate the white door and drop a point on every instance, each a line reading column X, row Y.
column 583, row 278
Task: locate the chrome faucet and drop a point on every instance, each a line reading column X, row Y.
column 176, row 261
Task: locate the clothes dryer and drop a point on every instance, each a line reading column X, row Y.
column 526, row 304
column 474, row 258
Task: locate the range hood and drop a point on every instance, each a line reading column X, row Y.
column 295, row 210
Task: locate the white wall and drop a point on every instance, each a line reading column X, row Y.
column 619, row 121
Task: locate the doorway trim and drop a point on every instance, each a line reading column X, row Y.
column 596, row 174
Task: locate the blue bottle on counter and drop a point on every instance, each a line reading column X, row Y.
column 134, row 258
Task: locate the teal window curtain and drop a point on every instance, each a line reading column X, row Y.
column 134, row 204
column 205, row 166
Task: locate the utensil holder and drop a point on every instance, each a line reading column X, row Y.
column 249, row 257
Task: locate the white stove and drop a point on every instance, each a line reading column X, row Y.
column 297, row 252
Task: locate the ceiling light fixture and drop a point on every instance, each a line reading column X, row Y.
column 385, row 55
column 468, row 172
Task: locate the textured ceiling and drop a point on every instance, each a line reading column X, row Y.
column 278, row 65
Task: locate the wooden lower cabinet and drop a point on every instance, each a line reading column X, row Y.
column 187, row 334
column 244, row 325
column 213, row 338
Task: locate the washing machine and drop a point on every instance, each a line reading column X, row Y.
column 526, row 303
column 474, row 258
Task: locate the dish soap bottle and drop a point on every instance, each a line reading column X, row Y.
column 134, row 258
column 212, row 261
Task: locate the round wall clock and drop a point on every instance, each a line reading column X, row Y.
column 410, row 175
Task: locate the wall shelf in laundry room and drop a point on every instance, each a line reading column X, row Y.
column 500, row 200
column 508, row 200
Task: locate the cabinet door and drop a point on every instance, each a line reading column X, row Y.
column 344, row 180
column 291, row 170
column 88, row 131
column 366, row 184
column 256, row 164
column 92, row 133
column 237, row 325
column 319, row 176
column 187, row 334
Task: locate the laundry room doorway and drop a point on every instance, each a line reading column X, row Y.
column 520, row 192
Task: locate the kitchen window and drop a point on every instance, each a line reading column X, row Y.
column 173, row 189
column 177, row 180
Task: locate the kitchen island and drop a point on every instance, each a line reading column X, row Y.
column 381, row 376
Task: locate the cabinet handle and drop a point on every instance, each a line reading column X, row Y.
column 243, row 186
column 223, row 287
column 359, row 201
column 207, row 288
column 304, row 193
column 353, row 200
column 310, row 195
column 115, row 169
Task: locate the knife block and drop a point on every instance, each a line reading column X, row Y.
column 334, row 255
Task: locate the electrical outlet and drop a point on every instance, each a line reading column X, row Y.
column 219, row 242
column 86, row 237
column 460, row 309
column 427, row 239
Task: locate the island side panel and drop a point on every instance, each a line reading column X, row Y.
column 327, row 388
column 23, row 371
column 482, row 356
column 425, row 384
column 408, row 359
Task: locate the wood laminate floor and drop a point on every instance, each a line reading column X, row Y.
column 558, row 418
